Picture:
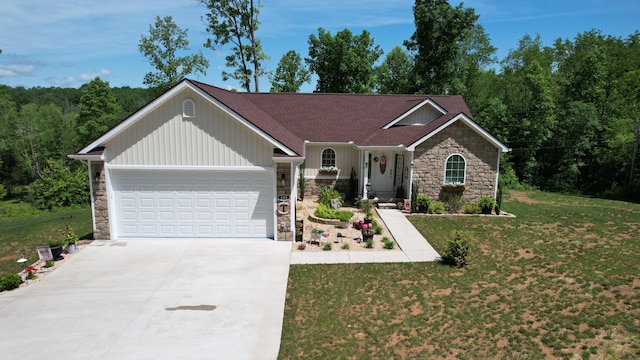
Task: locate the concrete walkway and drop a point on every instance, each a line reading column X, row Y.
column 414, row 246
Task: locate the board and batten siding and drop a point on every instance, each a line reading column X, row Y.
column 211, row 138
column 346, row 158
column 422, row 116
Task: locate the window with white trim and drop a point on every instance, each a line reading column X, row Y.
column 328, row 158
column 455, row 170
column 188, row 108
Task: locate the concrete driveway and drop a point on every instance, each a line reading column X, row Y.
column 153, row 299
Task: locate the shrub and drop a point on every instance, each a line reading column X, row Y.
column 49, row 263
column 388, row 243
column 368, row 244
column 415, row 187
column 457, row 251
column 325, row 212
column 472, row 208
column 327, row 193
column 366, row 205
column 345, row 246
column 301, row 180
column 58, row 186
column 326, row 246
column 3, row 192
column 454, row 202
column 436, row 207
column 499, row 200
column 344, row 215
column 377, row 229
column 487, row 203
column 423, row 201
column 9, row 281
column 353, row 186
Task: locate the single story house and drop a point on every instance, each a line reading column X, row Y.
column 203, row 162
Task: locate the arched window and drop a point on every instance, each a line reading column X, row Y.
column 455, row 170
column 328, row 158
column 188, row 108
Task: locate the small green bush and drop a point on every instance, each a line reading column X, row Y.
column 9, row 281
column 457, row 251
column 454, row 202
column 423, row 201
column 343, row 215
column 436, row 207
column 487, row 203
column 472, row 208
column 326, row 246
column 368, row 244
column 325, row 212
column 377, row 228
column 388, row 243
column 345, row 246
column 49, row 263
column 327, row 194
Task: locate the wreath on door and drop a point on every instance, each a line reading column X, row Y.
column 383, row 164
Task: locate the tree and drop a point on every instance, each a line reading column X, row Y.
column 393, row 76
column 60, row 187
column 528, row 92
column 343, row 63
column 439, row 30
column 165, row 40
column 236, row 22
column 98, row 111
column 290, row 74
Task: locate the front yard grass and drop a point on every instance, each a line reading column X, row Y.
column 21, row 234
column 562, row 280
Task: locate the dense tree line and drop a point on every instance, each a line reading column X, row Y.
column 39, row 127
column 569, row 110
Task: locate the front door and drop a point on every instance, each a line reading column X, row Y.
column 382, row 171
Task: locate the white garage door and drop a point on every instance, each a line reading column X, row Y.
column 193, row 204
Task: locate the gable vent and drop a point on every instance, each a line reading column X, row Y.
column 188, row 109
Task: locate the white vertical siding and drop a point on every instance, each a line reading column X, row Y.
column 346, row 158
column 422, row 116
column 211, row 138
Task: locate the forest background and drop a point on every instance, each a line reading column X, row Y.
column 569, row 110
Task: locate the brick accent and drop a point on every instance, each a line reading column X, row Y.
column 480, row 155
column 100, row 204
column 284, row 168
column 312, row 186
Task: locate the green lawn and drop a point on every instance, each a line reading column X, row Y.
column 562, row 280
column 21, row 234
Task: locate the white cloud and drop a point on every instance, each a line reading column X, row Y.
column 68, row 81
column 15, row 70
column 88, row 76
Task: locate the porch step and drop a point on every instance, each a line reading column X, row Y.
column 387, row 206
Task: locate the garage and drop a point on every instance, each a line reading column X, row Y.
column 192, row 204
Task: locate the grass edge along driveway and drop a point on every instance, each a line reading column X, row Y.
column 561, row 280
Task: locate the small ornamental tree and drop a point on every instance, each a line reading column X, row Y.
column 457, row 251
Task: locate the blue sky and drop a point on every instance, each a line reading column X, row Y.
column 66, row 43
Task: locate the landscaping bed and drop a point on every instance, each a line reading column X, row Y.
column 305, row 210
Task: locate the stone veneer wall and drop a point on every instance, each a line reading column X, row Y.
column 100, row 204
column 312, row 186
column 284, row 168
column 480, row 155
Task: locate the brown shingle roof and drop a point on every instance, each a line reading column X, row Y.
column 292, row 118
